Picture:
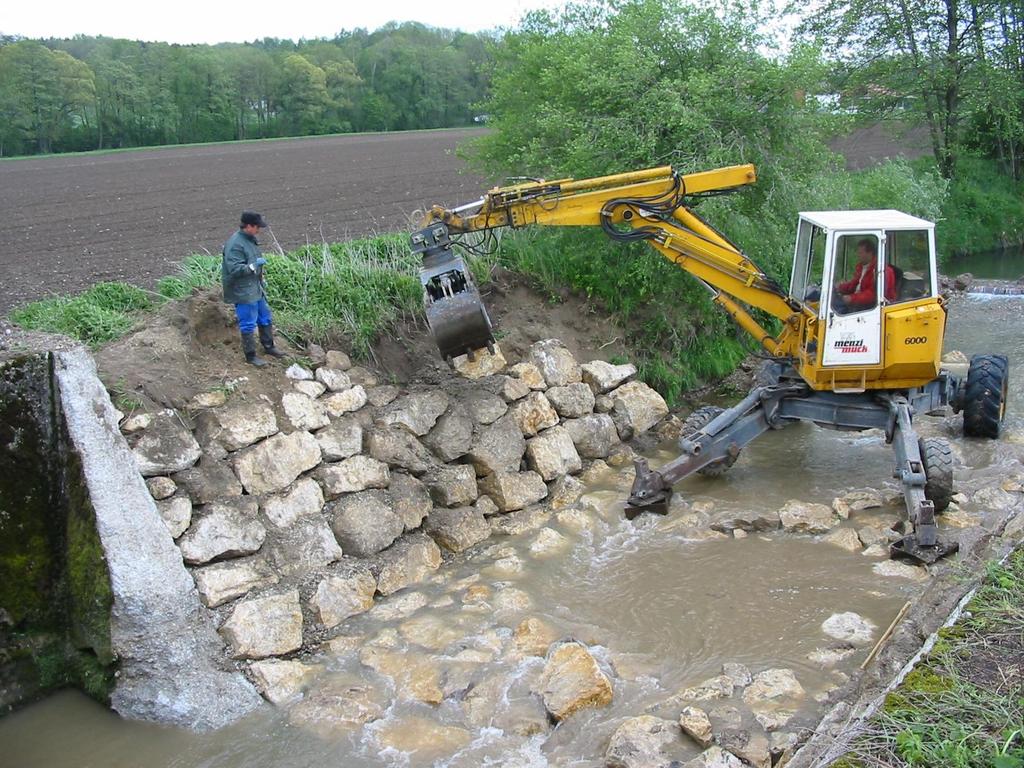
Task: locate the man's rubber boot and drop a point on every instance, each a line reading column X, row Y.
column 249, row 347
column 267, row 340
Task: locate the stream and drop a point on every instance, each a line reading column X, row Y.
column 660, row 608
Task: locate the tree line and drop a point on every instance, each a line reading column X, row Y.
column 100, row 93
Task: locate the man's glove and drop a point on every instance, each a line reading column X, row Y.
column 260, row 261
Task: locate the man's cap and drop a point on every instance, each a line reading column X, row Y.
column 253, row 218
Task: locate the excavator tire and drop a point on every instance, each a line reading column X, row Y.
column 984, row 402
column 694, row 423
column 938, row 471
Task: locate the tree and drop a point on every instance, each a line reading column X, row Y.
column 304, row 98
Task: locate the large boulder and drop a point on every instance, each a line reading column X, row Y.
column 163, row 487
column 552, row 454
column 695, row 723
column 572, row 680
column 417, row 411
column 564, row 492
column 365, row 523
column 483, row 407
column 165, row 446
column 533, row 636
column 343, row 438
column 452, row 435
column 227, row 528
column 303, row 412
column 457, row 529
column 644, row 742
column 209, row 480
column 514, row 490
column 398, row 448
column 636, row 408
column 356, row 473
column 749, row 520
column 603, row 377
column 177, row 514
column 849, row 627
column 594, row 435
column 773, row 690
column 276, row 462
column 237, row 425
column 410, row 499
column 222, row 582
column 555, row 362
column 530, row 375
column 302, row 499
column 534, row 413
column 264, row 626
column 346, row 401
column 507, row 388
column 346, row 591
column 281, row 681
column 453, row 485
column 305, row 546
column 715, row 757
column 572, row 400
column 804, row 517
column 410, row 560
column 498, row 447
column 482, row 364
column 334, row 379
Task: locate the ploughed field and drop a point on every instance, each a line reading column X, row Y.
column 70, row 221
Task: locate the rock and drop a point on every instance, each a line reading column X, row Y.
column 506, row 387
column 176, row 513
column 895, row 569
column 520, row 522
column 311, row 389
column 964, row 281
column 719, row 687
column 954, row 517
column 750, row 746
column 603, row 377
column 344, row 592
column 593, row 435
column 802, row 517
column 772, row 689
column 994, row 499
column 844, row 538
column 876, row 550
column 572, row 680
column 398, row 448
column 603, row 404
column 136, row 423
column 296, row 372
column 483, row 407
column 362, row 377
column 341, row 439
column 715, row 757
column 337, row 360
column 346, row 401
column 161, row 488
column 483, row 363
column 534, row 413
column 237, row 426
column 636, row 408
column 621, row 455
column 498, row 447
column 222, row 582
column 530, row 375
column 564, row 492
column 303, row 412
column 453, row 485
column 751, row 520
column 695, row 724
column 410, row 499
column 571, row 401
column 276, row 462
column 553, row 454
column 408, row 561
column 430, row 631
column 514, row 490
column 382, row 395
column 533, row 636
column 858, row 501
column 841, row 508
column 869, row 535
column 334, row 379
column 547, row 542
column 227, row 528
column 209, row 480
column 575, row 519
column 364, row 523
column 264, row 626
column 485, row 506
column 452, row 435
column 304, row 498
column 457, row 529
column 281, row 681
column 849, row 627
column 416, row 412
column 416, row 678
column 308, row 544
column 166, row 446
column 598, row 471
column 356, row 473
column 333, row 708
column 398, row 607
column 738, row 673
column 425, row 740
column 640, row 742
column 555, row 362
column 772, row 721
column 829, row 657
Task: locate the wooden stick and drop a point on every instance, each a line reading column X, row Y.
column 885, row 635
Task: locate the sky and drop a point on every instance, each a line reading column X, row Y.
column 214, row 21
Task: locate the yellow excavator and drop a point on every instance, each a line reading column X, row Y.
column 861, row 325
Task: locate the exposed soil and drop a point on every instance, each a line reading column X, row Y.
column 72, row 221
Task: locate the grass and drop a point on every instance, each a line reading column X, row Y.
column 103, row 313
column 962, row 707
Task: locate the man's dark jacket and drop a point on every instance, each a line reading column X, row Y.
column 241, row 278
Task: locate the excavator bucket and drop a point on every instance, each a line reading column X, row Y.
column 455, row 312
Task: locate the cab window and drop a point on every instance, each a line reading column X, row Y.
column 854, row 273
column 908, row 256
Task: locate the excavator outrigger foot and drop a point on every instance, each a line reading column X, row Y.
column 649, row 492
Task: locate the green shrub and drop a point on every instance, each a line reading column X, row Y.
column 104, row 312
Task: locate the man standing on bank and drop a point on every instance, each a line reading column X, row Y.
column 241, row 275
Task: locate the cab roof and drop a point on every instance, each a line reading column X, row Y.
column 861, row 220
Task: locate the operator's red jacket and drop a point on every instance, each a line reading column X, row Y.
column 862, row 287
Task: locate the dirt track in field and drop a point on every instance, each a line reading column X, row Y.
column 69, row 222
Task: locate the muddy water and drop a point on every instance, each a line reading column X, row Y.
column 662, row 607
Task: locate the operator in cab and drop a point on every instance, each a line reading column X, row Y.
column 859, row 292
